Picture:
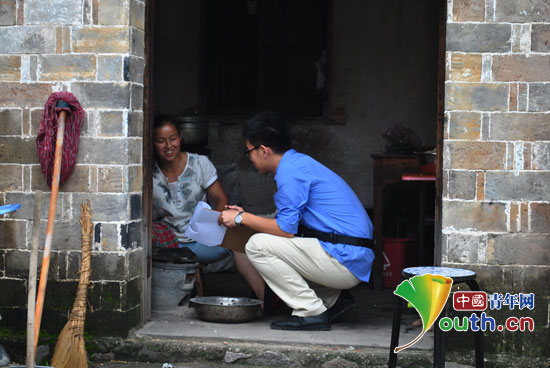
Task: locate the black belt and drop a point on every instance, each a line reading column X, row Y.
column 306, row 232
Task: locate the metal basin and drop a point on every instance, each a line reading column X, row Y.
column 226, row 309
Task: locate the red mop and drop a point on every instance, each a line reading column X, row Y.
column 59, row 128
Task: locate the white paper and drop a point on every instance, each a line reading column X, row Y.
column 203, row 226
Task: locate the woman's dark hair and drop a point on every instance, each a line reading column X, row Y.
column 270, row 129
column 164, row 119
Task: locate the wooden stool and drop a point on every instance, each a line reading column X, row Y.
column 458, row 276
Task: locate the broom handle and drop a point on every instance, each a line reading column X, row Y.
column 49, row 229
column 32, row 278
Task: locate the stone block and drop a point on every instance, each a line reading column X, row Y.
column 466, row 67
column 540, row 37
column 108, row 267
column 480, row 186
column 102, row 95
column 132, row 294
column 111, row 296
column 74, row 260
column 135, row 67
column 135, row 178
column 111, row 124
column 63, row 44
column 135, row 263
column 539, row 97
column 67, row 235
column 137, row 97
column 53, row 12
column 13, row 293
column 104, row 206
column 535, row 280
column 60, row 295
column 79, row 181
column 471, row 155
column 523, row 186
column 541, row 156
column 103, row 151
column 23, row 95
column 11, row 121
column 113, row 12
column 137, row 14
column 468, row 10
column 476, row 96
column 522, row 11
column 540, row 217
column 36, row 116
column 108, row 236
column 138, row 42
column 519, row 249
column 135, row 150
column 26, row 212
column 112, row 323
column 131, row 234
column 17, row 264
column 13, row 234
column 474, row 216
column 11, row 178
column 101, row 40
column 135, row 207
column 465, row 125
column 466, row 248
column 511, row 68
column 462, row 184
column 521, row 38
column 111, row 179
column 135, row 124
column 10, row 67
column 67, row 67
column 520, row 127
column 18, row 150
column 109, row 68
column 8, row 13
column 475, row 37
column 27, row 40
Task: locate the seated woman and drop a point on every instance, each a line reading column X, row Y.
column 182, row 179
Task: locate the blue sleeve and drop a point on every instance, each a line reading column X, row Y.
column 292, row 195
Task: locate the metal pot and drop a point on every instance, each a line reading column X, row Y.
column 194, row 130
column 226, row 309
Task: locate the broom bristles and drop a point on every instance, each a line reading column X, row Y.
column 70, row 351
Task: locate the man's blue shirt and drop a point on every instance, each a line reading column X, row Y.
column 309, row 193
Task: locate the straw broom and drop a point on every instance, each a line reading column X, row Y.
column 70, row 351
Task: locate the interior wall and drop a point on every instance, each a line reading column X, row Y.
column 382, row 71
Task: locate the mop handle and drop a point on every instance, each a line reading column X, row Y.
column 49, row 229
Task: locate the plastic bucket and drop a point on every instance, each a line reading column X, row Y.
column 170, row 283
column 395, row 253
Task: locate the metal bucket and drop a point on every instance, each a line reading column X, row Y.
column 171, row 282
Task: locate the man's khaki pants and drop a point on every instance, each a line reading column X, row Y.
column 299, row 271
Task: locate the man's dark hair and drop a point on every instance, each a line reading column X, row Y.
column 164, row 119
column 270, row 129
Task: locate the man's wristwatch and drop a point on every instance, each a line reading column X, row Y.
column 239, row 219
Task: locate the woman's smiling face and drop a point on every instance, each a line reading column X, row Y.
column 167, row 142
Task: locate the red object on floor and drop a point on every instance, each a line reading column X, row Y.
column 396, row 256
column 47, row 135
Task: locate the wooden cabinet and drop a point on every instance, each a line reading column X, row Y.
column 387, row 170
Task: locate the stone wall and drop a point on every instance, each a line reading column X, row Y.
column 496, row 158
column 94, row 49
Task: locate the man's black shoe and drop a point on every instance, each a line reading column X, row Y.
column 344, row 303
column 319, row 322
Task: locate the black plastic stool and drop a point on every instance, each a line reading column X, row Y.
column 458, row 275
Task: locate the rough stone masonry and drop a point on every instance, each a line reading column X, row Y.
column 94, row 49
column 496, row 159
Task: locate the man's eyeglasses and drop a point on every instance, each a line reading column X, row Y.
column 247, row 153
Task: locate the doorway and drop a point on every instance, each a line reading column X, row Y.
column 377, row 64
